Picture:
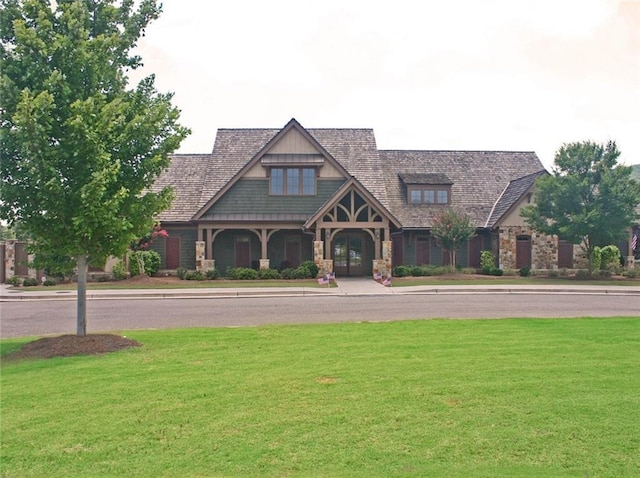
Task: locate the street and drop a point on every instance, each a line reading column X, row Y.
column 44, row 317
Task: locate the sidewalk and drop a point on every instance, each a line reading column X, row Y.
column 346, row 287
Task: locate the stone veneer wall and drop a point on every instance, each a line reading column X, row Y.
column 10, row 261
column 544, row 248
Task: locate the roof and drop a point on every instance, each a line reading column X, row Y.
column 485, row 184
column 425, row 178
column 478, row 179
column 512, row 194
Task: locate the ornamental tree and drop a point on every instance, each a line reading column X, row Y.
column 589, row 199
column 452, row 229
column 80, row 148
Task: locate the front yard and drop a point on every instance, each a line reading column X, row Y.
column 520, row 397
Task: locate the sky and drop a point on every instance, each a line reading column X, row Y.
column 516, row 75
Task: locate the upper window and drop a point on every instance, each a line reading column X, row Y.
column 429, row 195
column 292, row 181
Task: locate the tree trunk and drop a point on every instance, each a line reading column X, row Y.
column 81, row 262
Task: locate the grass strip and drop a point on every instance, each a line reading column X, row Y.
column 517, row 397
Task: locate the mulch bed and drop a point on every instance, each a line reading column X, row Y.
column 70, row 345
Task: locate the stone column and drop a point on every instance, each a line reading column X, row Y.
column 264, row 263
column 318, row 252
column 200, row 255
column 631, row 262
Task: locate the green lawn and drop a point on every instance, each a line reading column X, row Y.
column 467, row 398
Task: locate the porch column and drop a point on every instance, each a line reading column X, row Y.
column 200, row 255
column 376, row 244
column 327, row 242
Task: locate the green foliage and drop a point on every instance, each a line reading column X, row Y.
column 452, row 229
column 297, row 273
column 14, row 281
column 589, row 199
column 181, row 272
column 525, row 271
column 119, row 271
column 30, row 282
column 81, row 149
column 583, row 274
column 194, row 275
column 402, row 271
column 267, row 274
column 487, row 261
column 423, row 398
column 632, row 273
column 211, row 274
column 49, row 282
column 241, row 273
column 609, row 257
column 150, row 261
column 312, row 267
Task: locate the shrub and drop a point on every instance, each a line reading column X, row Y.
column 602, row 274
column 312, row 267
column 241, row 273
column 15, row 281
column 401, row 271
column 632, row 273
column 150, row 261
column 564, row 272
column 30, row 282
column 297, row 273
column 525, row 271
column 267, row 274
column 119, row 272
column 194, row 275
column 487, row 261
column 596, row 258
column 583, row 274
column 468, row 270
column 181, row 272
column 553, row 273
column 211, row 274
column 609, row 257
column 417, row 271
column 49, row 282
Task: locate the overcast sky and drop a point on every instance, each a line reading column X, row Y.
column 526, row 75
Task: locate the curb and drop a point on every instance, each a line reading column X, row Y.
column 238, row 293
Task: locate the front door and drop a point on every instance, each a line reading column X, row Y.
column 348, row 255
column 243, row 251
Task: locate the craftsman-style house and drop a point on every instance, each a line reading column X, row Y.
column 276, row 197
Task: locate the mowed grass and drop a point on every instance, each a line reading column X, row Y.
column 521, row 397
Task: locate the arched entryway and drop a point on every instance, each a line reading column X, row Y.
column 352, row 253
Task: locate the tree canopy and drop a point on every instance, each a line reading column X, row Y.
column 80, row 149
column 452, row 229
column 589, row 199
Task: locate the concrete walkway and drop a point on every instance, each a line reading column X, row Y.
column 345, row 287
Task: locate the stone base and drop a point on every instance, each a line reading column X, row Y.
column 327, row 267
column 380, row 267
column 264, row 263
column 631, row 262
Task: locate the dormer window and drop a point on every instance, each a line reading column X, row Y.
column 427, row 188
column 292, row 181
column 292, row 174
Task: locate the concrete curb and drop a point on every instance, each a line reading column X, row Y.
column 9, row 295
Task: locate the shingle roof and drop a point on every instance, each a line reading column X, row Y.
column 511, row 194
column 478, row 177
column 425, row 178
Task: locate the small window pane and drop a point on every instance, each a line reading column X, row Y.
column 293, row 181
column 277, row 181
column 443, row 197
column 416, row 196
column 308, row 181
column 429, row 196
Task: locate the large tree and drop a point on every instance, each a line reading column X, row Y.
column 589, row 199
column 452, row 229
column 80, row 148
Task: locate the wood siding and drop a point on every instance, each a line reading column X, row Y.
column 252, row 196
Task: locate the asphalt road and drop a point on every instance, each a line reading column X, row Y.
column 44, row 317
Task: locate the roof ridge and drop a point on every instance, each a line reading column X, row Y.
column 452, row 151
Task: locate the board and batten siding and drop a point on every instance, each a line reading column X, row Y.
column 252, row 196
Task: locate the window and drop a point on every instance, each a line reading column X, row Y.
column 292, row 181
column 428, row 195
